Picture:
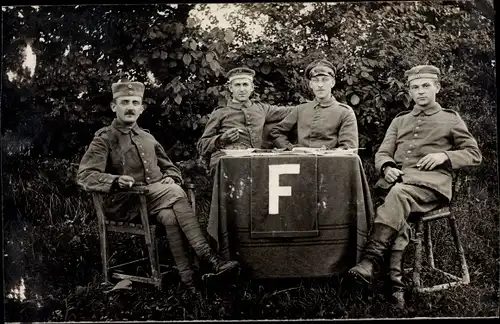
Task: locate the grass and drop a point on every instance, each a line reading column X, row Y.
column 51, row 242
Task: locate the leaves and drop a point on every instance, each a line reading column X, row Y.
column 228, row 36
column 209, row 57
column 186, row 59
column 355, row 100
column 192, row 45
column 367, row 76
column 265, row 68
column 178, row 99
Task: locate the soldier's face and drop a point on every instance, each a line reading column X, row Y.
column 241, row 89
column 322, row 86
column 127, row 109
column 423, row 91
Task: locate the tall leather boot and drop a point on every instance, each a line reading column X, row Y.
column 191, row 228
column 396, row 278
column 380, row 240
column 177, row 248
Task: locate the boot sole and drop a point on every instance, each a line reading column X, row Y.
column 229, row 268
column 359, row 278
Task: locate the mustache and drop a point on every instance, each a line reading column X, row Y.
column 129, row 112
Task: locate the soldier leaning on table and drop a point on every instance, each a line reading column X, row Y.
column 420, row 149
column 240, row 123
column 322, row 122
column 123, row 154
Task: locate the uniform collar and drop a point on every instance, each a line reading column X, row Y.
column 239, row 105
column 327, row 103
column 431, row 110
column 124, row 128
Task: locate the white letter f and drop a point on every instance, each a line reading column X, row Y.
column 275, row 190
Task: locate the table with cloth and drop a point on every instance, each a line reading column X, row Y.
column 313, row 222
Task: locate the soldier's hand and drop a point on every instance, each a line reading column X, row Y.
column 125, row 181
column 432, row 160
column 392, row 174
column 167, row 180
column 230, row 136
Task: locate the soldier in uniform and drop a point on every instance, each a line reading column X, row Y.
column 415, row 160
column 122, row 155
column 240, row 123
column 323, row 122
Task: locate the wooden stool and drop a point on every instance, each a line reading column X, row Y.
column 149, row 231
column 426, row 219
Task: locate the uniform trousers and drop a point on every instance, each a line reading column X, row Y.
column 402, row 200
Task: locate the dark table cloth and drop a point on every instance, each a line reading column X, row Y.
column 318, row 230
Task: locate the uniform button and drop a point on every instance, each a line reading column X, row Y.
column 408, row 152
column 142, row 153
column 406, row 158
column 417, row 127
column 145, row 161
column 147, row 170
column 420, row 120
column 140, row 146
column 415, row 134
column 147, row 178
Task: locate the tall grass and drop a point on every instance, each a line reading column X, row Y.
column 52, row 243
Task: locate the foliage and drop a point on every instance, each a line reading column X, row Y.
column 50, row 117
column 70, row 94
column 371, row 45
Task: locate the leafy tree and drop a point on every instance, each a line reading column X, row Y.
column 81, row 50
column 371, row 45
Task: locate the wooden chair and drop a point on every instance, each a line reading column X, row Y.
column 149, row 231
column 422, row 224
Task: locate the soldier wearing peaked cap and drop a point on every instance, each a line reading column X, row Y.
column 415, row 160
column 323, row 122
column 123, row 155
column 240, row 123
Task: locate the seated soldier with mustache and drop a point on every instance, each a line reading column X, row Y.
column 122, row 155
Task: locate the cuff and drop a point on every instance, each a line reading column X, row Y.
column 385, row 165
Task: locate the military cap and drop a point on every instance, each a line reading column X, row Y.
column 240, row 72
column 320, row 67
column 125, row 87
column 422, row 71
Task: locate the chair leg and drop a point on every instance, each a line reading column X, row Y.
column 460, row 250
column 155, row 263
column 104, row 253
column 148, row 238
column 102, row 235
column 418, row 254
column 428, row 240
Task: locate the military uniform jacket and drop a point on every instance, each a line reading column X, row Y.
column 331, row 124
column 414, row 134
column 117, row 150
column 249, row 116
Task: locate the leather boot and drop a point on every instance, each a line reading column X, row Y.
column 192, row 230
column 220, row 265
column 380, row 240
column 396, row 278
